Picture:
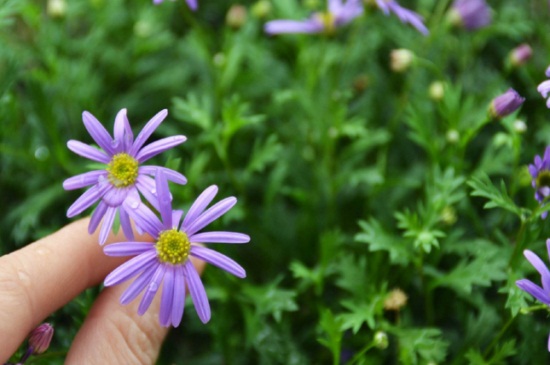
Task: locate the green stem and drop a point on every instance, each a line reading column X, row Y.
column 360, row 354
column 497, row 338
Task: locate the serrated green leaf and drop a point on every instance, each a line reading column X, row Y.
column 498, row 198
column 380, row 240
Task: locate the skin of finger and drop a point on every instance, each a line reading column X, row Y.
column 116, row 334
column 43, row 276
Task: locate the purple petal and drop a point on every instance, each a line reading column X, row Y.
column 198, row 294
column 124, row 136
column 139, row 284
column 89, row 197
column 159, row 146
column 151, row 289
column 147, row 188
column 217, row 259
column 179, row 296
column 171, row 175
column 176, row 218
column 167, row 298
column 544, row 88
column 125, row 223
column 107, row 225
column 130, row 268
column 534, row 290
column 219, row 237
column 147, row 131
column 143, row 216
column 97, row 216
column 213, row 213
column 114, row 197
column 200, row 204
column 88, row 152
column 164, row 199
column 540, row 267
column 98, row 132
column 128, row 248
column 192, row 4
column 292, row 26
column 83, row 180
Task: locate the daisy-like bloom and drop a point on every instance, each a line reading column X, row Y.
column 471, row 14
column 405, row 15
column 544, row 88
column 506, row 103
column 541, row 294
column 193, row 5
column 540, row 172
column 166, row 261
column 123, row 175
column 340, row 13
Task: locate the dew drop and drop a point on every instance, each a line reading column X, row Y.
column 153, row 287
column 24, row 277
column 134, row 204
column 153, row 191
column 42, row 153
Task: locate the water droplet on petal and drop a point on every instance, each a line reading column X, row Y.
column 134, row 204
column 153, row 191
column 153, row 287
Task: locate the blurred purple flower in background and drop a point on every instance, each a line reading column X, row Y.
column 540, row 172
column 405, row 15
column 521, row 54
column 544, row 88
column 506, row 103
column 123, row 176
column 471, row 14
column 167, row 261
column 191, row 3
column 339, row 14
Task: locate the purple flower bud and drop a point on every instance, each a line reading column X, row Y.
column 40, row 338
column 521, row 54
column 471, row 14
column 506, row 103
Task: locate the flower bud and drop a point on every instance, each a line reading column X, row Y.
column 381, row 340
column 436, row 90
column 520, row 55
column 236, row 16
column 56, row 8
column 40, row 338
column 395, row 300
column 401, row 59
column 470, row 14
column 520, row 126
column 261, row 9
column 506, row 103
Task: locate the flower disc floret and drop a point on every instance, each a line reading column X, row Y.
column 173, row 247
column 123, row 170
column 543, row 179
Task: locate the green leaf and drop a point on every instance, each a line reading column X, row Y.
column 500, row 354
column 380, row 240
column 331, row 333
column 498, row 198
column 420, row 346
column 269, row 299
column 362, row 312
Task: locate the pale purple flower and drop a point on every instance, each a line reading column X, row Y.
column 166, row 261
column 506, row 103
column 521, row 54
column 540, row 172
column 471, row 14
column 340, row 13
column 544, row 88
column 405, row 15
column 40, row 338
column 541, row 294
column 193, row 5
column 123, row 175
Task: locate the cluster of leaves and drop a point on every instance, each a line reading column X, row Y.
column 351, row 180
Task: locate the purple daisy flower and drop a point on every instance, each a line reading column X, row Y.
column 193, row 5
column 123, row 176
column 471, row 14
column 167, row 261
column 540, row 172
column 405, row 15
column 506, row 103
column 339, row 14
column 541, row 294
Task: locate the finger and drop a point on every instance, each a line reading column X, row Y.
column 116, row 334
column 43, row 276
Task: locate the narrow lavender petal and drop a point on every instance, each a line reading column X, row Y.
column 114, row 196
column 198, row 294
column 179, row 296
column 383, row 5
column 130, row 268
column 143, row 216
column 147, row 131
column 219, row 237
column 544, row 88
column 164, row 199
column 153, row 149
column 200, row 204
column 83, row 180
column 217, row 259
column 547, row 72
column 87, row 151
column 408, row 16
column 539, row 265
column 549, row 343
column 193, row 5
column 176, row 218
column 125, row 223
column 97, row 216
column 171, row 175
column 349, row 11
column 213, row 213
column 534, row 290
column 151, row 289
column 107, row 225
column 335, row 6
column 166, row 300
column 123, row 132
column 128, row 248
column 147, row 188
column 89, row 197
column 293, row 26
column 98, row 132
column 139, row 284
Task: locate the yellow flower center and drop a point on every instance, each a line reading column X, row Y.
column 328, row 21
column 173, row 247
column 123, row 170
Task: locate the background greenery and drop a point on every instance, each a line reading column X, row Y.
column 352, row 181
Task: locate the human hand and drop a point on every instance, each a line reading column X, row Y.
column 45, row 275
